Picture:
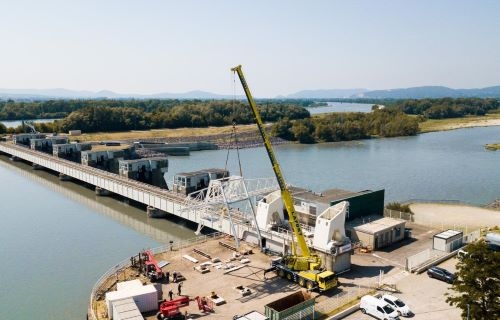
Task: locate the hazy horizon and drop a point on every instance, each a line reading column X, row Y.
column 153, row 47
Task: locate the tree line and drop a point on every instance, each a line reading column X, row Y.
column 109, row 118
column 447, row 107
column 56, row 109
column 347, row 126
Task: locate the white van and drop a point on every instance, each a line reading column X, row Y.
column 378, row 308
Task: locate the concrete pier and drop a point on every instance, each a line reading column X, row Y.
column 36, row 166
column 64, row 177
column 102, row 192
column 155, row 213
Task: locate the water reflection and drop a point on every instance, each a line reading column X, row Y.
column 161, row 230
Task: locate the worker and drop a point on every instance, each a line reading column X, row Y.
column 179, row 288
column 170, row 294
column 167, row 276
column 174, row 276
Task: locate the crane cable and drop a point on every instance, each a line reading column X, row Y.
column 233, row 136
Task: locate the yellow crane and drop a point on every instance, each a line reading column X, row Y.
column 303, row 268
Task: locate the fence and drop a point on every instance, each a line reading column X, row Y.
column 428, row 256
column 99, row 290
column 430, row 223
column 408, row 216
column 343, row 298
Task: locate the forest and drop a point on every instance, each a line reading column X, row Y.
column 122, row 115
column 447, row 107
column 58, row 109
column 291, row 120
column 347, row 126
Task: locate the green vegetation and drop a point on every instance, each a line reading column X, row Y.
column 457, row 123
column 292, row 121
column 347, row 126
column 478, row 284
column 57, row 109
column 398, row 207
column 447, row 107
column 490, row 146
column 118, row 115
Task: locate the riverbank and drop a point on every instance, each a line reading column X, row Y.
column 224, row 135
column 460, row 215
column 460, row 123
column 248, row 136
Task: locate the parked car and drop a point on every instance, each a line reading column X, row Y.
column 462, row 253
column 397, row 304
column 378, row 308
column 441, row 274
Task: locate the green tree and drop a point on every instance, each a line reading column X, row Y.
column 478, row 283
column 282, row 129
column 303, row 131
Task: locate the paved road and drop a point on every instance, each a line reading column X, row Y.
column 425, row 296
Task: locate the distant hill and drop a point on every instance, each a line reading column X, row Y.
column 325, row 94
column 358, row 93
column 59, row 93
column 431, row 92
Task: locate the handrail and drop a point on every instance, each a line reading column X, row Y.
column 126, row 263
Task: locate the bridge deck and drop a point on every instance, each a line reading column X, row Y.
column 149, row 195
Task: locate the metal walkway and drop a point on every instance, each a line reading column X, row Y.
column 198, row 210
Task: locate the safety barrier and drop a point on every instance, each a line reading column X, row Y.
column 97, row 290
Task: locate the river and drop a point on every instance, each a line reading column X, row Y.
column 57, row 238
column 17, row 123
column 334, row 107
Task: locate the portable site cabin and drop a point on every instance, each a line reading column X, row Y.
column 70, row 151
column 25, row 138
column 493, row 240
column 147, row 170
column 45, row 144
column 447, row 241
column 145, row 297
column 189, row 182
column 125, row 309
column 379, row 233
column 106, row 159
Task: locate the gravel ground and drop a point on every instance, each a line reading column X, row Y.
column 449, row 215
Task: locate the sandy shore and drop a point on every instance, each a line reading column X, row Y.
column 478, row 123
column 459, row 123
column 450, row 215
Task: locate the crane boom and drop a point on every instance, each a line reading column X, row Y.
column 285, row 193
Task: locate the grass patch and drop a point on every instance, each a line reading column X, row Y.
column 493, row 146
column 163, row 133
column 456, row 123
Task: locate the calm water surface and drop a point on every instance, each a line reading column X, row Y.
column 451, row 165
column 17, row 123
column 341, row 107
column 57, row 238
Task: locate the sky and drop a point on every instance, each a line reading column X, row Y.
column 146, row 47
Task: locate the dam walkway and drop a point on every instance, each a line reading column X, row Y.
column 205, row 213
